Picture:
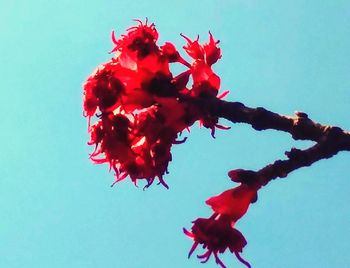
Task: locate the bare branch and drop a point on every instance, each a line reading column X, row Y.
column 299, row 126
column 296, row 159
column 329, row 139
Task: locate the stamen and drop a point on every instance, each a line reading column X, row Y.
column 180, row 141
column 212, row 133
column 139, row 21
column 205, row 256
column 186, row 38
column 161, row 181
column 114, row 39
column 120, row 178
column 193, row 248
column 218, row 261
column 149, row 183
column 222, row 127
column 223, row 94
column 242, row 260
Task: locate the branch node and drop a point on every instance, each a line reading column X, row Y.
column 301, row 114
column 300, row 128
column 298, row 156
column 247, row 177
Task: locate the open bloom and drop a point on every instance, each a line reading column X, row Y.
column 209, row 52
column 218, row 233
column 135, row 102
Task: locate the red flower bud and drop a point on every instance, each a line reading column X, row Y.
column 234, row 202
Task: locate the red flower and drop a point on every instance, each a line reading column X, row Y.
column 216, row 234
column 137, row 102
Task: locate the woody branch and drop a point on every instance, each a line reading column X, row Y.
column 329, row 139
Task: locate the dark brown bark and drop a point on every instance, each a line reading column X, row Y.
column 329, row 139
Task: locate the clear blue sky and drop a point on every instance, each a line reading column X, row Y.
column 57, row 209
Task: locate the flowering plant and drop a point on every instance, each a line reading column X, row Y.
column 137, row 110
column 140, row 102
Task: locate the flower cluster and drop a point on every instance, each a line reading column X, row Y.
column 137, row 105
column 217, row 233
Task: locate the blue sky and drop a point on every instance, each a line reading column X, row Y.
column 56, row 207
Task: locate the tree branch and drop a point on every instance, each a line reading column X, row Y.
column 329, row 139
column 299, row 126
column 281, row 168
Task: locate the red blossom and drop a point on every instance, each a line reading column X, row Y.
column 136, row 102
column 216, row 234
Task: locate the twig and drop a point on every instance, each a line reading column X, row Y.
column 329, row 139
column 299, row 126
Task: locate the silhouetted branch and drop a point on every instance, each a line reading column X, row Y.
column 296, row 159
column 329, row 139
column 299, row 126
